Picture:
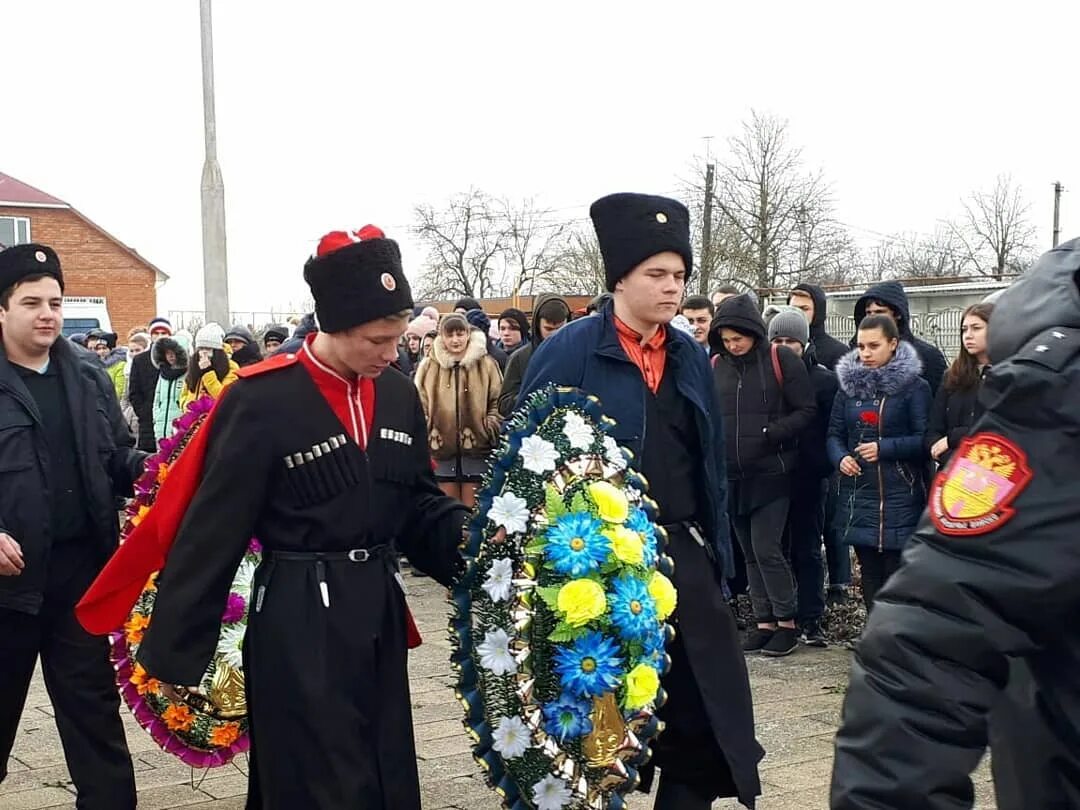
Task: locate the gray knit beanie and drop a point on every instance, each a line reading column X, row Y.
column 790, row 322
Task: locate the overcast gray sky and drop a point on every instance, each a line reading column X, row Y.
column 332, row 114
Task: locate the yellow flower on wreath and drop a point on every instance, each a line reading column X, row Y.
column 626, row 544
column 611, row 503
column 178, row 718
column 581, row 601
column 224, row 735
column 663, row 592
column 642, row 684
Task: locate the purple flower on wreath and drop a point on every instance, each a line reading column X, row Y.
column 234, row 609
column 254, row 547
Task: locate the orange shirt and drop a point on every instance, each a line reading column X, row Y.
column 649, row 357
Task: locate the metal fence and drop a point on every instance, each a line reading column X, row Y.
column 942, row 328
column 191, row 319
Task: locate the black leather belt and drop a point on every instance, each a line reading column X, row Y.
column 353, row 555
column 321, row 558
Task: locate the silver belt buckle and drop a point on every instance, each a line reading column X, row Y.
column 359, row 555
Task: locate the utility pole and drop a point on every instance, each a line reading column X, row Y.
column 706, row 230
column 1058, row 188
column 215, row 268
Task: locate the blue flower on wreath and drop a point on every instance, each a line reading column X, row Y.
column 653, row 652
column 633, row 610
column 567, row 717
column 639, row 522
column 589, row 667
column 575, row 546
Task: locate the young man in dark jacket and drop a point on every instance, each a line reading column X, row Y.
column 141, row 385
column 551, row 313
column 974, row 640
column 654, row 382
column 806, row 517
column 65, row 455
column 767, row 403
column 811, row 300
column 889, row 298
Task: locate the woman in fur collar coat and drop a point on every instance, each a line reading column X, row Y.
column 462, row 429
column 876, row 442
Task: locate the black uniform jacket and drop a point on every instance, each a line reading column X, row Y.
column 107, row 463
column 325, row 651
column 976, row 637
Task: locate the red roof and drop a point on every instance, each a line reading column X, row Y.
column 15, row 192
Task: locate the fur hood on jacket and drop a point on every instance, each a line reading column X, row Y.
column 474, row 351
column 856, row 380
column 158, row 353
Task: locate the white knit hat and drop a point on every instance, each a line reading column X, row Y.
column 210, row 336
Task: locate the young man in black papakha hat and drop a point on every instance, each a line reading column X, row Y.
column 656, row 384
column 65, row 455
column 330, row 444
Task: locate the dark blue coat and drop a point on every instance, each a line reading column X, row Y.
column 889, row 405
column 586, row 354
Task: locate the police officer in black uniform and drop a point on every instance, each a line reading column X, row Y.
column 975, row 639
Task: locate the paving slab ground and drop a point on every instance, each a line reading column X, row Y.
column 797, row 705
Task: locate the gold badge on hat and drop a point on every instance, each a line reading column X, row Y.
column 661, row 217
column 388, row 282
column 40, row 256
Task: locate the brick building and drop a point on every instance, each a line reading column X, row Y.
column 95, row 263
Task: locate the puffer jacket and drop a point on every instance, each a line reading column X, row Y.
column 975, row 640
column 827, row 349
column 888, row 405
column 762, row 419
column 170, row 384
column 892, row 293
column 210, row 385
column 115, row 363
column 473, row 424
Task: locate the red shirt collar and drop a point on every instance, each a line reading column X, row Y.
column 353, row 401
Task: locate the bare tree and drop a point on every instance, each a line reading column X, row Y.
column 579, row 269
column 721, row 252
column 823, row 253
column 995, row 230
column 534, row 245
column 465, row 242
column 915, row 255
column 761, row 189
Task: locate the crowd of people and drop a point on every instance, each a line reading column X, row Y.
column 804, row 448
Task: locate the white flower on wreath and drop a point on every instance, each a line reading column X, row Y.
column 498, row 582
column 509, row 511
column 494, row 652
column 551, row 793
column 243, row 579
column 614, row 454
column 511, row 737
column 538, row 455
column 577, row 431
column 231, row 644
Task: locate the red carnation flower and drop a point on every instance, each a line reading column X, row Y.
column 870, row 417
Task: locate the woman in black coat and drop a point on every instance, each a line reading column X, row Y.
column 956, row 406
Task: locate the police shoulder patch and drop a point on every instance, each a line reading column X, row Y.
column 973, row 495
column 269, row 364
